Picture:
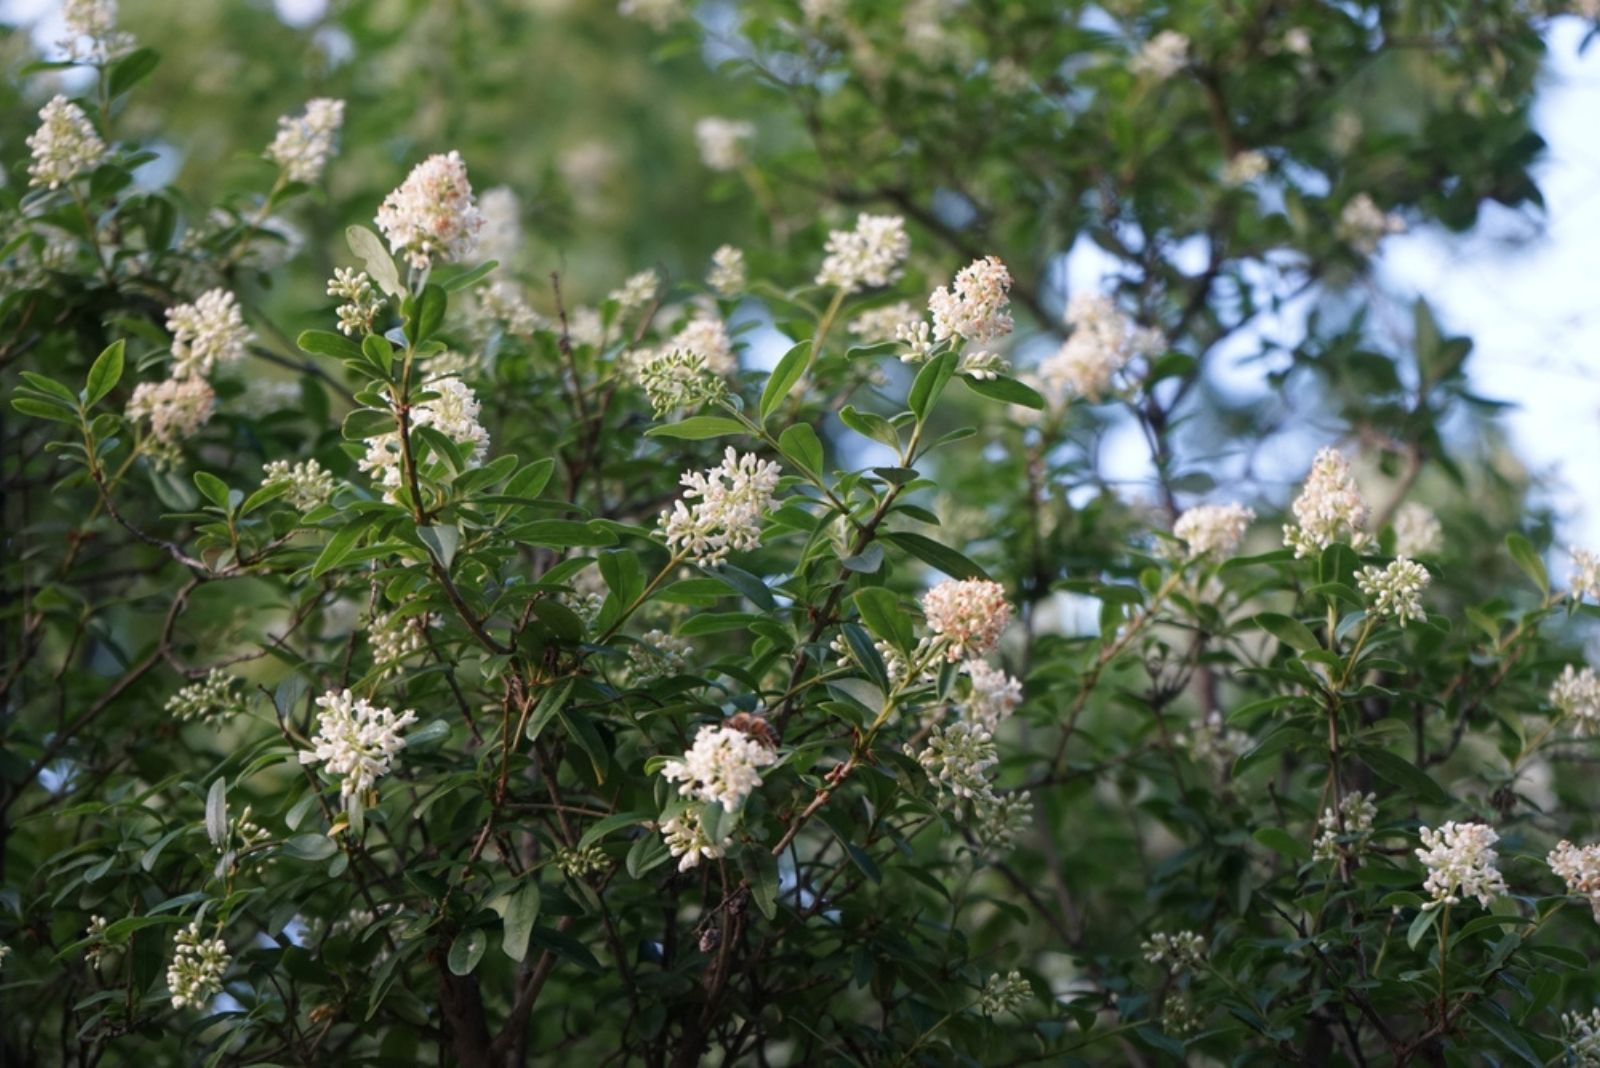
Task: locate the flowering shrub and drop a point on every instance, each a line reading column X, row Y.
column 415, row 656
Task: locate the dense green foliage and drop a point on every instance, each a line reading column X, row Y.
column 480, row 540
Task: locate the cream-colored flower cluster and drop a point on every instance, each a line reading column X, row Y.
column 1352, row 822
column 310, row 485
column 198, row 965
column 1100, row 343
column 722, row 766
column 1462, row 863
column 1576, row 695
column 356, row 740
column 729, row 504
column 64, row 146
column 968, row 614
column 1214, row 530
column 1579, row 868
column 1395, row 590
column 1329, row 509
column 432, row 217
column 867, row 257
column 305, row 142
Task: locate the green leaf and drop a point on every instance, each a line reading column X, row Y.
column 783, row 378
column 1527, row 558
column 467, row 950
column 1399, row 771
column 327, row 343
column 1419, row 926
column 369, row 249
column 938, row 556
column 697, row 428
column 366, row 423
column 1005, row 389
column 1488, row 1016
column 45, row 409
column 518, row 910
column 105, row 374
column 339, row 546
column 565, row 534
column 428, row 314
column 531, row 480
column 217, row 812
column 1291, row 632
column 929, row 383
column 212, row 488
column 441, row 542
column 1281, row 841
column 881, row 612
column 615, row 822
column 311, row 847
column 800, row 444
column 869, row 425
column 549, row 704
column 132, row 69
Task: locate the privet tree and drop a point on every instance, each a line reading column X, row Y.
column 500, row 671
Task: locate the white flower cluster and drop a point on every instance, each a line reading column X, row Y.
column 887, row 323
column 999, row 821
column 976, row 306
column 394, row 637
column 867, row 257
column 722, row 766
column 195, row 975
column 305, row 142
column 1004, row 993
column 5, row 951
column 1329, row 509
column 1397, row 588
column 207, row 332
column 1417, row 531
column 677, row 379
column 1357, row 811
column 210, row 700
column 686, row 838
column 310, row 486
column 727, row 274
column 96, row 950
column 640, row 289
column 706, row 336
column 1244, row 167
column 994, row 694
column 500, row 305
column 1577, row 694
column 1579, row 868
column 64, row 146
column 1162, row 56
column 657, row 14
column 730, row 502
column 453, row 413
column 176, row 410
column 968, row 614
column 1185, row 949
column 431, row 216
column 359, row 312
column 723, row 142
column 1211, row 741
column 356, row 740
column 1102, row 342
column 92, row 35
column 658, row 655
column 1214, row 530
column 1363, row 225
column 246, row 840
column 1585, row 575
column 1461, row 863
column 957, row 759
column 500, row 238
column 1583, row 1038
